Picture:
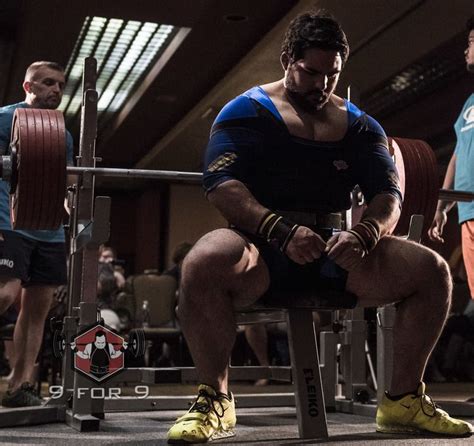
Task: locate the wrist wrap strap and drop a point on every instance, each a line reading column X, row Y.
column 367, row 233
column 277, row 228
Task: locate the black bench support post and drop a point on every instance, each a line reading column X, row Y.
column 310, row 409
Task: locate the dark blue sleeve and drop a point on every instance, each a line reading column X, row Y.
column 374, row 170
column 6, row 118
column 234, row 136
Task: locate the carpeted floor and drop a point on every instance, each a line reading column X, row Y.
column 265, row 426
column 255, row 427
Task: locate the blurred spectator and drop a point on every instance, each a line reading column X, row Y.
column 107, row 255
column 110, row 280
column 180, row 252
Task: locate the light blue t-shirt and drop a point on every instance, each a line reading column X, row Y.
column 464, row 178
column 6, row 117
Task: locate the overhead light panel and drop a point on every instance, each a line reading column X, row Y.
column 125, row 52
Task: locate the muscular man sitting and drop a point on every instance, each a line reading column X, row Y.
column 276, row 153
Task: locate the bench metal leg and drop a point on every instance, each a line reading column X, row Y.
column 309, row 396
column 353, row 353
column 328, row 361
column 385, row 322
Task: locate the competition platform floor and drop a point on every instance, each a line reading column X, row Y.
column 264, row 426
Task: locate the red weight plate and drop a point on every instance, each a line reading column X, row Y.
column 409, row 199
column 36, row 181
column 415, row 172
column 412, row 171
column 15, row 139
column 57, row 169
column 38, row 199
column 425, row 167
column 399, row 164
column 421, row 183
column 30, row 197
column 42, row 215
column 21, row 128
column 431, row 185
column 50, row 137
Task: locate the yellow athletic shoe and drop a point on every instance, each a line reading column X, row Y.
column 211, row 417
column 415, row 414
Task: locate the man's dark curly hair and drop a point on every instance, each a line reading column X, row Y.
column 470, row 23
column 314, row 30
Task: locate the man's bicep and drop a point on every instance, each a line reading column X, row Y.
column 376, row 174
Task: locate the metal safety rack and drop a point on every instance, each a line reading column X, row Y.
column 89, row 228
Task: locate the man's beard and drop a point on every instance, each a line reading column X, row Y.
column 50, row 102
column 470, row 67
column 310, row 101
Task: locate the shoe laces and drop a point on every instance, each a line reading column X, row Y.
column 428, row 406
column 206, row 403
column 27, row 387
column 29, row 392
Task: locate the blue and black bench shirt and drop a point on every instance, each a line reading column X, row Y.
column 250, row 142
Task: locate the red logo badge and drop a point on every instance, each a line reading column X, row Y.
column 98, row 353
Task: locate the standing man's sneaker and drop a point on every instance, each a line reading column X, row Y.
column 25, row 395
column 211, row 417
column 417, row 413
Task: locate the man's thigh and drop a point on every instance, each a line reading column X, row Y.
column 395, row 269
column 47, row 265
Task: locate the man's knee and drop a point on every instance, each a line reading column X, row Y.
column 9, row 291
column 216, row 254
column 437, row 277
column 6, row 299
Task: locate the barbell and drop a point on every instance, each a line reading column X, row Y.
column 36, row 170
column 136, row 343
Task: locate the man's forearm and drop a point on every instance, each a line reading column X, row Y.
column 385, row 210
column 238, row 206
column 448, row 183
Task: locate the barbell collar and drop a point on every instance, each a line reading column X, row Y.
column 6, row 167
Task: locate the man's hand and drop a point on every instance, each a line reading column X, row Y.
column 305, row 246
column 73, row 345
column 437, row 226
column 345, row 250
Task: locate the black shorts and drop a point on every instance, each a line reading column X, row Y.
column 32, row 261
column 321, row 278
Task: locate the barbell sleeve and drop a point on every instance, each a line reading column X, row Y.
column 166, row 175
column 455, row 195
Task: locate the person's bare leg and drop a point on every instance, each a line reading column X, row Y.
column 10, row 353
column 28, row 334
column 418, row 278
column 222, row 272
column 256, row 335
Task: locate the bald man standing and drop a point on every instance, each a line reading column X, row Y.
column 32, row 263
